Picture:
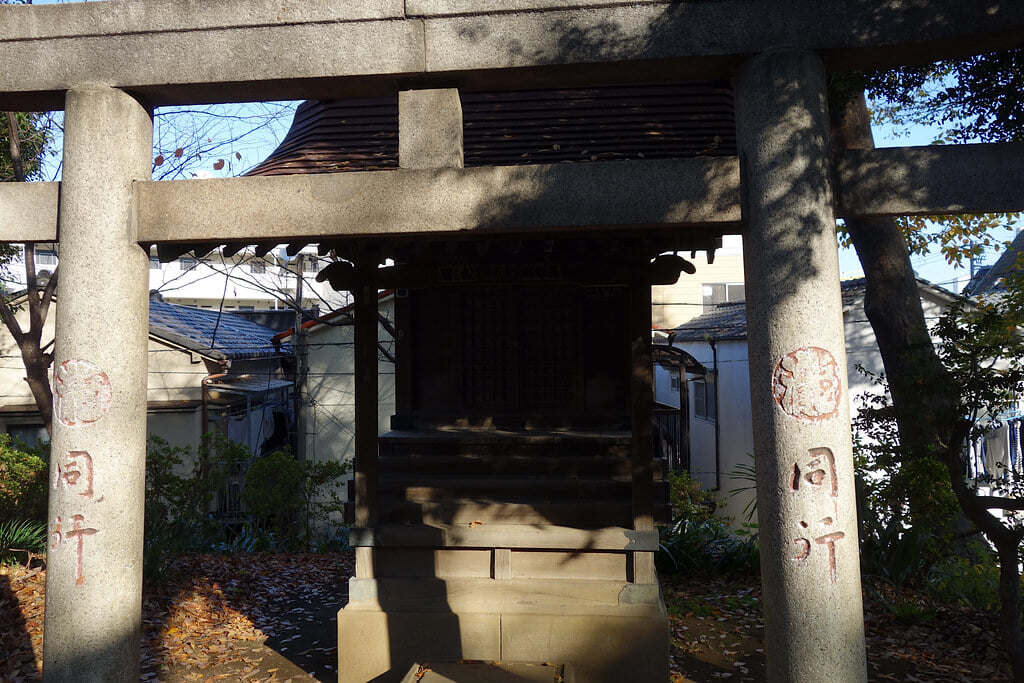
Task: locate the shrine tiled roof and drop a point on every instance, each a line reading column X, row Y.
column 600, row 123
column 211, row 333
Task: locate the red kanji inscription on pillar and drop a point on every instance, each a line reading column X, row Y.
column 82, row 392
column 806, row 384
column 77, row 534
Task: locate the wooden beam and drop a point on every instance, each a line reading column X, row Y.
column 641, row 397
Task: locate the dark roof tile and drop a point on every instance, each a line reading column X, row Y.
column 215, row 334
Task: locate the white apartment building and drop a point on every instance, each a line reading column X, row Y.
column 242, row 281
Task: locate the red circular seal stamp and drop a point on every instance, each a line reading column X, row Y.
column 807, row 385
column 82, row 392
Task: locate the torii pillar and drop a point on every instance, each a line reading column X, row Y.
column 98, row 449
column 810, row 571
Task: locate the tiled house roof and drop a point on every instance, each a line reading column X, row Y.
column 728, row 321
column 214, row 334
column 724, row 322
column 991, row 279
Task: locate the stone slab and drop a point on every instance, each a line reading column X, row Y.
column 375, row 643
column 446, row 8
column 182, row 51
column 608, row 648
column 504, row 536
column 28, row 212
column 530, row 595
column 499, row 199
column 484, row 672
column 595, row 650
column 938, row 179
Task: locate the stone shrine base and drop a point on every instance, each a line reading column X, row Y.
column 599, row 631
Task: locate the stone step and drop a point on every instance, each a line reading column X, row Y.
column 466, row 511
column 510, row 596
column 551, row 464
column 502, row 488
column 468, row 671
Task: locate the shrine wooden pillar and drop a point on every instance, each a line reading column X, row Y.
column 642, row 417
column 806, row 508
column 98, row 449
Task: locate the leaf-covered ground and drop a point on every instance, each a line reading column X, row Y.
column 271, row 617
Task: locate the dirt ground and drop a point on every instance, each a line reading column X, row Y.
column 266, row 617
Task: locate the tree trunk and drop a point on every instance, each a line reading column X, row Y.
column 1009, row 604
column 37, row 365
column 923, row 392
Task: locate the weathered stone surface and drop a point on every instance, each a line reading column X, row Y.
column 520, row 198
column 430, row 129
column 98, row 451
column 445, row 8
column 268, row 50
column 28, row 212
column 937, row 179
column 800, row 409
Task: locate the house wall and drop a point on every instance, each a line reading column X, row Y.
column 331, row 390
column 862, row 349
column 735, row 435
column 736, row 438
column 179, row 428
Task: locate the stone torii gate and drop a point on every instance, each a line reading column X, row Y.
column 107, row 64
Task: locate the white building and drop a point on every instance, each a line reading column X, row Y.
column 242, row 281
column 716, row 398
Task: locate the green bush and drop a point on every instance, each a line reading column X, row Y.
column 273, row 491
column 23, row 477
column 960, row 581
column 689, row 500
column 180, row 487
column 697, row 542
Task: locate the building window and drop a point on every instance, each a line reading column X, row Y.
column 186, row 263
column 673, row 383
column 721, row 292
column 704, row 398
column 154, row 263
column 30, row 435
column 309, row 264
column 258, row 266
column 46, row 257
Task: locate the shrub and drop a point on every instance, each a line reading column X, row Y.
column 273, row 491
column 23, row 477
column 960, row 581
column 698, row 542
column 689, row 500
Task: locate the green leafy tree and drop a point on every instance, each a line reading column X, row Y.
column 976, row 98
column 972, row 99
